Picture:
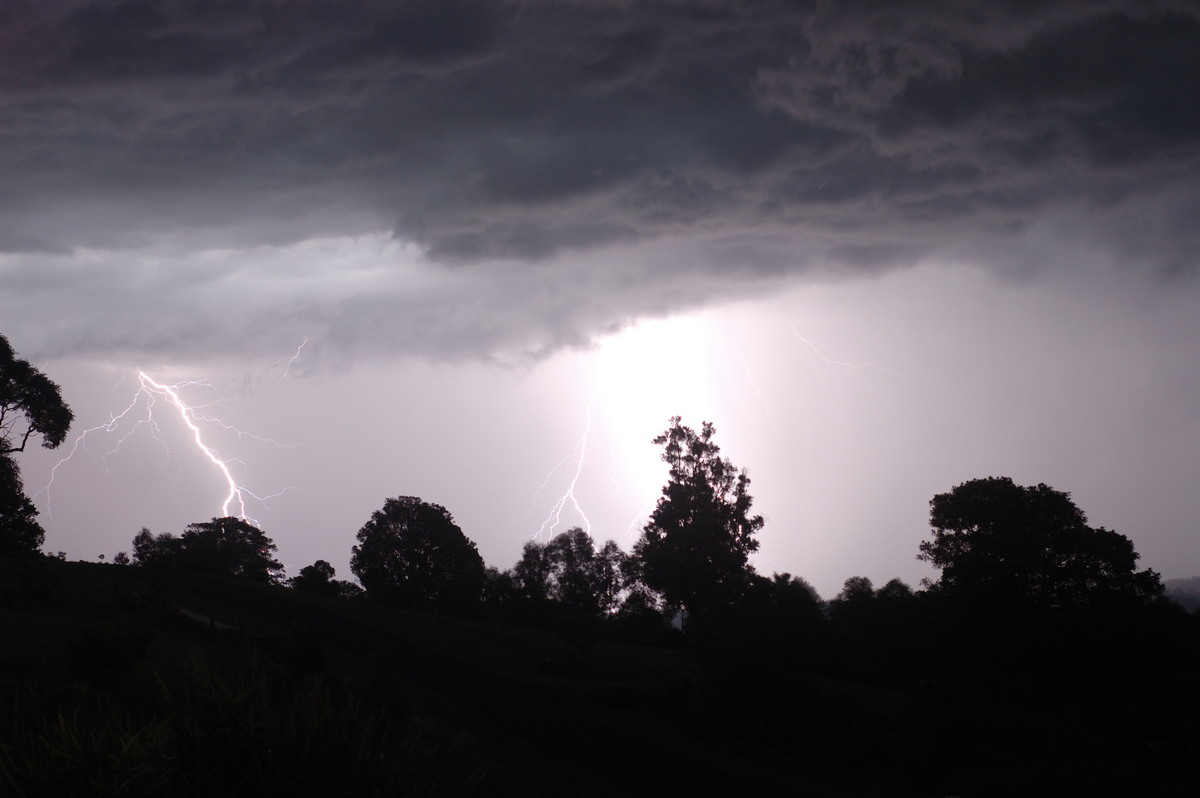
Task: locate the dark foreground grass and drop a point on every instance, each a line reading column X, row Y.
column 124, row 681
column 212, row 729
column 130, row 681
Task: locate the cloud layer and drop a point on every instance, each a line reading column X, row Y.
column 190, row 175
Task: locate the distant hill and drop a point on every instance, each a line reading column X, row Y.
column 1185, row 591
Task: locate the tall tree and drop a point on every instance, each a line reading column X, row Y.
column 696, row 545
column 1008, row 546
column 30, row 404
column 412, row 553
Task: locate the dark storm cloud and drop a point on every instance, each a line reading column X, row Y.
column 762, row 137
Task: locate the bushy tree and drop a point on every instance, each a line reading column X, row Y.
column 318, row 578
column 158, row 551
column 696, row 545
column 30, row 404
column 231, row 546
column 20, row 533
column 315, row 578
column 1007, row 546
column 412, row 553
column 569, row 572
column 609, row 577
column 226, row 546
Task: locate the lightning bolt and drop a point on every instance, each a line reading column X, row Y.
column 821, row 355
column 188, row 415
column 862, row 369
column 146, row 398
column 578, row 456
column 287, row 363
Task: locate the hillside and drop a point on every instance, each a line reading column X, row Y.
column 126, row 680
column 121, row 680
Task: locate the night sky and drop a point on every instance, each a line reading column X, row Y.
column 478, row 252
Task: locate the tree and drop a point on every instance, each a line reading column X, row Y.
column 158, row 551
column 318, row 578
column 30, row 404
column 412, row 553
column 1010, row 547
column 230, row 546
column 20, row 533
column 531, row 575
column 608, row 577
column 569, row 572
column 696, row 545
column 224, row 546
column 315, row 578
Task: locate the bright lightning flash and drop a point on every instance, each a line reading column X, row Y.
column 188, row 415
column 554, row 517
column 149, row 393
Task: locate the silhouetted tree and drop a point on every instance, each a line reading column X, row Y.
column 568, row 573
column 696, row 545
column 608, row 577
column 412, row 553
column 573, row 564
column 20, row 533
column 226, row 546
column 500, row 588
column 1010, row 547
column 531, row 575
column 30, row 404
column 158, row 551
column 318, row 578
column 881, row 630
column 849, row 609
column 231, row 546
column 315, row 578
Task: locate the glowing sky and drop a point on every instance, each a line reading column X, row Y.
column 884, row 252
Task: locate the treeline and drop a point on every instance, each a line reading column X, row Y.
column 1030, row 596
column 1041, row 659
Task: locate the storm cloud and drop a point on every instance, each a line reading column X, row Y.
column 461, row 178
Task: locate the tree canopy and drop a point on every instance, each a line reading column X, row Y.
column 30, row 404
column 318, row 578
column 20, row 533
column 412, row 553
column 226, row 546
column 696, row 545
column 1002, row 544
column 570, row 572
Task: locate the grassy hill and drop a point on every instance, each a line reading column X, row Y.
column 120, row 680
column 127, row 681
